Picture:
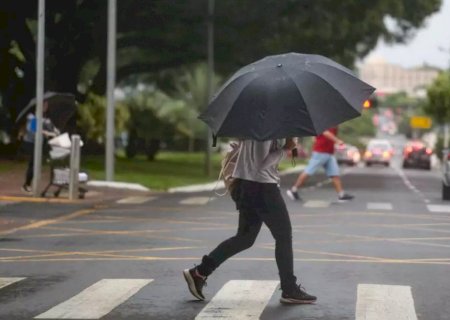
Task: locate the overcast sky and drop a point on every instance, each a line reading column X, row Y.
column 424, row 47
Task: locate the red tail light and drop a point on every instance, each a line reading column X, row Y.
column 386, row 154
column 368, row 154
column 428, row 151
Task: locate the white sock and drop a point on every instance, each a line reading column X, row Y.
column 341, row 194
column 294, row 189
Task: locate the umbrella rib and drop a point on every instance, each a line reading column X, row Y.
column 238, row 96
column 333, row 88
column 336, row 90
column 300, row 91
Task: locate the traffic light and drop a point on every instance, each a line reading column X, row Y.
column 370, row 103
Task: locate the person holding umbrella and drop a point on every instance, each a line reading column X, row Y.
column 258, row 199
column 49, row 131
column 277, row 97
column 322, row 156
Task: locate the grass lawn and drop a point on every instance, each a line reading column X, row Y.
column 170, row 169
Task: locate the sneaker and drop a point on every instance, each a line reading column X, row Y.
column 297, row 296
column 293, row 195
column 195, row 282
column 345, row 197
column 26, row 188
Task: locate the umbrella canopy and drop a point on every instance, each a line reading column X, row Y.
column 61, row 107
column 287, row 95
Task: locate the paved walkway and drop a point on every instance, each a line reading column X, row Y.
column 12, row 180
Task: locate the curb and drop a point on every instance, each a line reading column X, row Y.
column 117, row 185
column 35, row 200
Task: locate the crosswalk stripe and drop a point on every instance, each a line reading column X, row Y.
column 7, row 281
column 384, row 302
column 135, row 200
column 316, row 204
column 379, row 206
column 197, row 200
column 97, row 300
column 438, row 208
column 239, row 299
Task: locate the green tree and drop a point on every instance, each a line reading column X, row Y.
column 355, row 130
column 154, row 36
column 438, row 99
column 92, row 117
column 151, row 119
column 191, row 87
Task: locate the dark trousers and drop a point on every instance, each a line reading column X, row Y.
column 258, row 203
column 28, row 150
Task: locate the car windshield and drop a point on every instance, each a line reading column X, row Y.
column 378, row 145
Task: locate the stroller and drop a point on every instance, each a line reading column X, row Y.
column 59, row 160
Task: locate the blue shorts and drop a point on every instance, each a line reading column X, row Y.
column 325, row 160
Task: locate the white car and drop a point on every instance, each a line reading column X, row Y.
column 378, row 151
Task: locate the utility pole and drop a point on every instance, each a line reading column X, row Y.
column 111, row 81
column 37, row 166
column 208, row 166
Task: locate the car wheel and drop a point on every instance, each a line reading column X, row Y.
column 368, row 164
column 428, row 166
column 386, row 164
column 405, row 165
column 445, row 192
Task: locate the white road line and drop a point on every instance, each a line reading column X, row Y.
column 438, row 208
column 135, row 200
column 7, row 281
column 384, row 302
column 239, row 299
column 379, row 206
column 316, row 204
column 97, row 300
column 197, row 200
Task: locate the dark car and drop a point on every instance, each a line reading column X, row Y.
column 347, row 154
column 417, row 155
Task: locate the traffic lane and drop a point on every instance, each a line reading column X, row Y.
column 14, row 216
column 312, row 230
column 375, row 186
column 333, row 278
column 162, row 225
column 429, row 183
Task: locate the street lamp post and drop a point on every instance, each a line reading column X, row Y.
column 111, row 80
column 39, row 98
column 208, row 167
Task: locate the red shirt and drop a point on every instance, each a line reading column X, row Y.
column 323, row 144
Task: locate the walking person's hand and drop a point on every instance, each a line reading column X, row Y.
column 234, row 145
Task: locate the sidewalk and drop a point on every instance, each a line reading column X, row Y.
column 11, row 182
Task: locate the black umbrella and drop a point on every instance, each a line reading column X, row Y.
column 287, row 95
column 61, row 107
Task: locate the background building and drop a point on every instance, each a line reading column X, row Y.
column 390, row 78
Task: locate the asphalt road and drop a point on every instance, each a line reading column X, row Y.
column 383, row 256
